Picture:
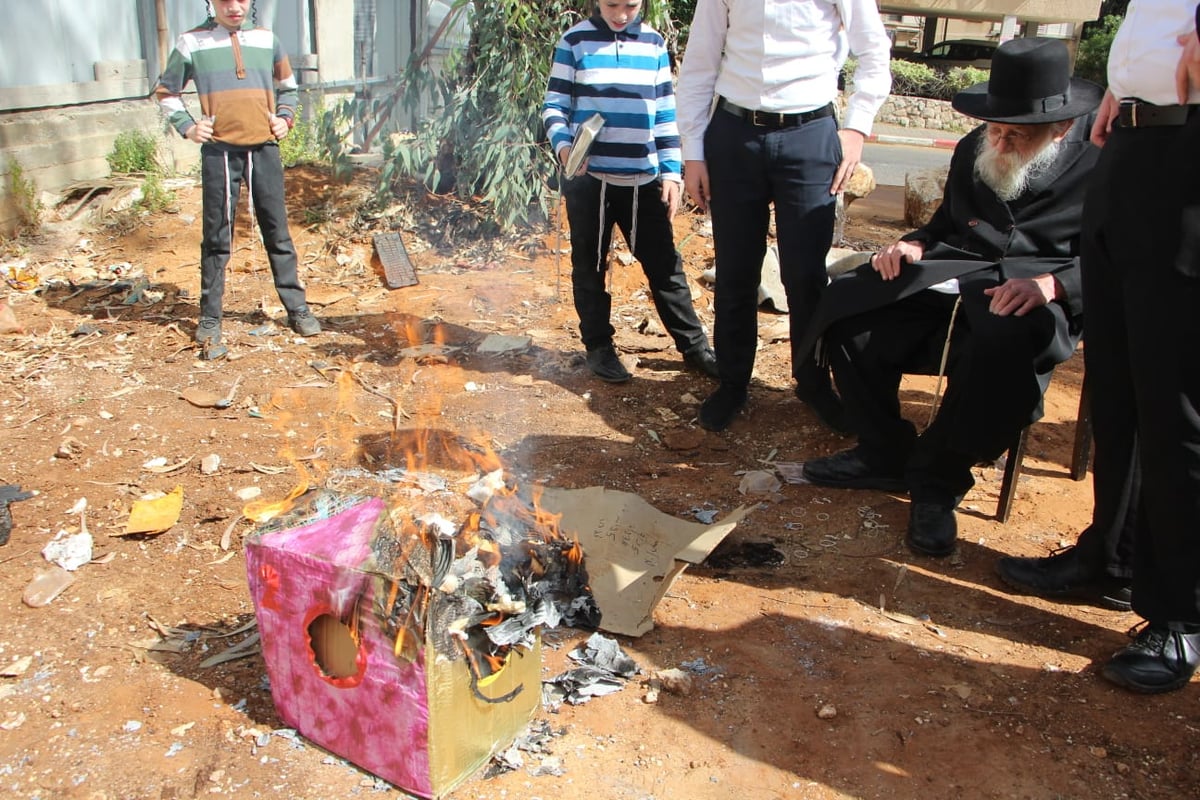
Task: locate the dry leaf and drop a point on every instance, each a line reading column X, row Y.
column 268, row 470
column 204, row 399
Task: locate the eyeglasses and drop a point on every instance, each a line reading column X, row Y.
column 1013, row 134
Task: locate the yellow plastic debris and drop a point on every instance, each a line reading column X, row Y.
column 157, row 515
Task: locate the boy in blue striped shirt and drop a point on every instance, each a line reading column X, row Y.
column 616, row 66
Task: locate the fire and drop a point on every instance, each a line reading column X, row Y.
column 261, row 511
column 464, row 560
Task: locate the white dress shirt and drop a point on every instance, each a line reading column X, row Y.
column 1145, row 51
column 781, row 56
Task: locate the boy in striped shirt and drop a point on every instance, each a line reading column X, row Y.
column 248, row 99
column 616, row 66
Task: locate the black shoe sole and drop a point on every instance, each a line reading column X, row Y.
column 921, row 550
column 875, row 483
column 1080, row 594
column 613, row 378
column 1117, row 676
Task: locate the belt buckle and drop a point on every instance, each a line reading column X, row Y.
column 766, row 119
column 1131, row 106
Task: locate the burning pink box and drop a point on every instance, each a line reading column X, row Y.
column 415, row 713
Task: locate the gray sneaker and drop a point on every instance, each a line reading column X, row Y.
column 208, row 332
column 303, row 322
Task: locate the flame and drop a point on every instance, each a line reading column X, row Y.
column 574, row 554
column 422, row 451
column 264, row 510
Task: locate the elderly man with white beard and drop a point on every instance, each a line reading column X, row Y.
column 988, row 291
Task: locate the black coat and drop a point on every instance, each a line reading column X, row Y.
column 983, row 241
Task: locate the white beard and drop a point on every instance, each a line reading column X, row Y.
column 1008, row 174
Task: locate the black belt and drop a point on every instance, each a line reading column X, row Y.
column 1139, row 114
column 773, row 119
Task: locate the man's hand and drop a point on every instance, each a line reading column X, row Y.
column 670, row 197
column 887, row 262
column 852, row 149
column 202, row 131
column 1187, row 73
column 1105, row 114
column 695, row 180
column 1019, row 296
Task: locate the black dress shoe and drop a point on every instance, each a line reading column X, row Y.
column 704, row 360
column 1065, row 575
column 722, row 406
column 603, row 362
column 1159, row 660
column 850, row 470
column 932, row 529
column 828, row 408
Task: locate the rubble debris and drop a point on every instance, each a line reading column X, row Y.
column 732, row 554
column 69, row 551
column 498, row 344
column 759, row 482
column 605, row 669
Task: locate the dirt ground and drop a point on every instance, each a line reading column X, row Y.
column 839, row 664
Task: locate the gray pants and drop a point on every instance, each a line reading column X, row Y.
column 222, row 173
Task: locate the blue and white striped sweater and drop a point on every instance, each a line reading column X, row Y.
column 625, row 76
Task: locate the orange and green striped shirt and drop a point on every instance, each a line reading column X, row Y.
column 241, row 77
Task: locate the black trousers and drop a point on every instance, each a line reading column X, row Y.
column 222, row 174
column 1108, row 542
column 654, row 247
column 992, row 387
column 1141, row 281
column 749, row 168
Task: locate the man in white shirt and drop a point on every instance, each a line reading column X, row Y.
column 1140, row 256
column 770, row 68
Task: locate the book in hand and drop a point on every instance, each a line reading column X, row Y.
column 583, row 144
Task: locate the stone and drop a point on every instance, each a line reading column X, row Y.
column 861, row 184
column 923, row 192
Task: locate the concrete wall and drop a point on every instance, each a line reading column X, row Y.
column 57, row 147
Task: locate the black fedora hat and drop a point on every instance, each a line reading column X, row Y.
column 1030, row 83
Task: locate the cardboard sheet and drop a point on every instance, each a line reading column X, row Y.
column 633, row 551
